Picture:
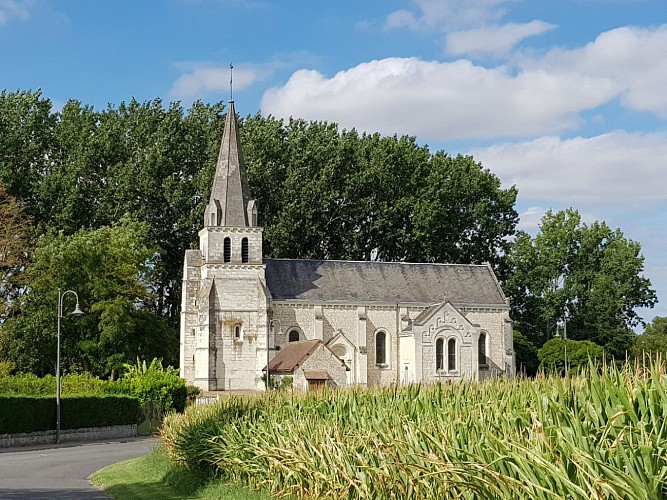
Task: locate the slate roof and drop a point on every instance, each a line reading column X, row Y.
column 352, row 282
column 230, row 191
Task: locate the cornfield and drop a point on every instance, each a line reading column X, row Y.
column 600, row 434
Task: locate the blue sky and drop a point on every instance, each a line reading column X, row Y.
column 566, row 99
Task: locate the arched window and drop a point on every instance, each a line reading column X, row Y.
column 238, row 332
column 481, row 350
column 381, row 348
column 244, row 250
column 227, row 249
column 293, row 336
column 440, row 354
column 451, row 355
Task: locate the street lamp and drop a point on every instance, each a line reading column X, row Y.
column 77, row 312
column 565, row 339
column 268, row 348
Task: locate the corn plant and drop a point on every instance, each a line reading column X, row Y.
column 599, row 434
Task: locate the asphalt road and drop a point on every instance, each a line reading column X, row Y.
column 62, row 472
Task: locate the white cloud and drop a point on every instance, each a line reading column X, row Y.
column 494, row 40
column 439, row 101
column 448, row 13
column 617, row 169
column 13, row 9
column 634, row 58
column 199, row 81
column 530, row 219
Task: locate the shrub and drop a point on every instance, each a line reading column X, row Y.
column 98, row 411
column 6, row 368
column 29, row 384
column 26, row 414
column 192, row 392
column 38, row 413
column 552, row 354
column 154, row 383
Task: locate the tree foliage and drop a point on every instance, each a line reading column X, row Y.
column 552, row 354
column 110, row 270
column 27, row 125
column 15, row 230
column 322, row 193
column 330, row 194
column 653, row 341
column 526, row 358
column 589, row 275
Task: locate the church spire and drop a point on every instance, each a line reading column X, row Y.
column 230, row 203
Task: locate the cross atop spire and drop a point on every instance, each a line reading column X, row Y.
column 230, row 203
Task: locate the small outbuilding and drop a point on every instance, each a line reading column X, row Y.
column 311, row 364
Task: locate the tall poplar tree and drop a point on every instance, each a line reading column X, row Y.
column 589, row 276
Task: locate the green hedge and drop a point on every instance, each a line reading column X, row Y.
column 26, row 414
column 38, row 413
column 162, row 387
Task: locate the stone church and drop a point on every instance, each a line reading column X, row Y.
column 386, row 322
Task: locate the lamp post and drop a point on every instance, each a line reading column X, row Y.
column 268, row 347
column 565, row 339
column 77, row 312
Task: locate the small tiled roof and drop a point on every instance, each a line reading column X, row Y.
column 316, row 375
column 382, row 282
column 292, row 355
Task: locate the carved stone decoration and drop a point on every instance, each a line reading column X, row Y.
column 362, row 349
column 428, row 334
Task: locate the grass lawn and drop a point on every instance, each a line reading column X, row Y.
column 153, row 476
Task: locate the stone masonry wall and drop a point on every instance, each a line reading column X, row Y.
column 382, row 318
column 493, row 323
column 324, row 359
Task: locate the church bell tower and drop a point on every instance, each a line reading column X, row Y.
column 224, row 302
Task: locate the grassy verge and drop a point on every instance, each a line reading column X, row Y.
column 153, row 476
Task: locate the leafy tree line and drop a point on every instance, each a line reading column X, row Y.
column 589, row 276
column 137, row 175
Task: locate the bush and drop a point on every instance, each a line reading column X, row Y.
column 6, row 368
column 527, row 361
column 147, row 383
column 29, row 384
column 154, row 383
column 26, row 414
column 38, row 413
column 192, row 392
column 552, row 354
column 98, row 411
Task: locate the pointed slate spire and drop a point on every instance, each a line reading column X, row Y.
column 230, row 203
